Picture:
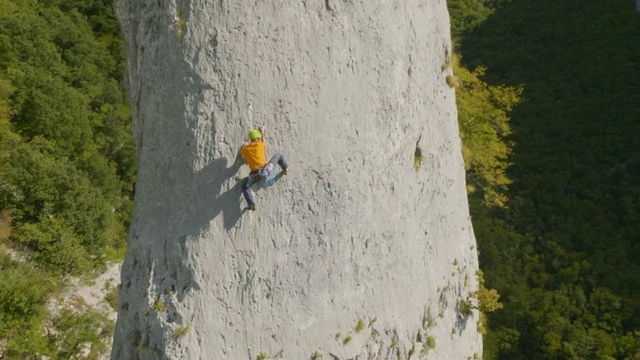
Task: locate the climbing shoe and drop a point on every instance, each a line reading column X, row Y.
column 251, row 207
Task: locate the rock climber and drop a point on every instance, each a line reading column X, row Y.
column 253, row 153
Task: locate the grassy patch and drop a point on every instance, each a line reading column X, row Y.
column 181, row 331
column 431, row 342
column 418, row 158
column 160, row 306
column 112, row 297
column 182, row 25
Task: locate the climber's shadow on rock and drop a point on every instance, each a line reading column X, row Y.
column 213, row 199
column 278, row 177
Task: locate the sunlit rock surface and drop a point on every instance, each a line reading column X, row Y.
column 360, row 252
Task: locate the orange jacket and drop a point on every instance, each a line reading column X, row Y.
column 254, row 155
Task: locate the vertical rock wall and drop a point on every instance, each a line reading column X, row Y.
column 355, row 253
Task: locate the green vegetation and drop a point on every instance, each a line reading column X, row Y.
column 24, row 293
column 557, row 218
column 79, row 329
column 160, row 306
column 67, row 161
column 67, row 167
column 428, row 322
column 181, row 331
column 182, row 25
column 418, row 158
column 431, row 342
column 465, row 306
column 487, row 300
column 485, row 130
column 453, row 81
column 112, row 297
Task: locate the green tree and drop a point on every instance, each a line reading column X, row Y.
column 562, row 252
column 484, row 129
column 24, row 292
column 67, row 166
column 55, row 206
column 68, row 122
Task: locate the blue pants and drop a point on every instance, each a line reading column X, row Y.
column 254, row 178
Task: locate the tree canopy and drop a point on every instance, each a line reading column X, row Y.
column 563, row 250
column 67, row 165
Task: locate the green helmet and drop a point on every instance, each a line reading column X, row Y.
column 254, row 134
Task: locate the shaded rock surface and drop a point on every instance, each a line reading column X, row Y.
column 353, row 255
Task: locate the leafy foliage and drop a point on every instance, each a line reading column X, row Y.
column 484, row 129
column 68, row 157
column 79, row 329
column 468, row 14
column 24, row 293
column 562, row 252
column 67, row 167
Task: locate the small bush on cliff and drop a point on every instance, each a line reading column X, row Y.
column 483, row 299
column 431, row 342
column 181, row 331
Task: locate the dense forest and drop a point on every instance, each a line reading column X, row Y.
column 67, row 168
column 563, row 248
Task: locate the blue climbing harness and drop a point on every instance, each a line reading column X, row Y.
column 264, row 177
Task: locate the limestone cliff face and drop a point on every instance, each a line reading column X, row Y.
column 355, row 254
